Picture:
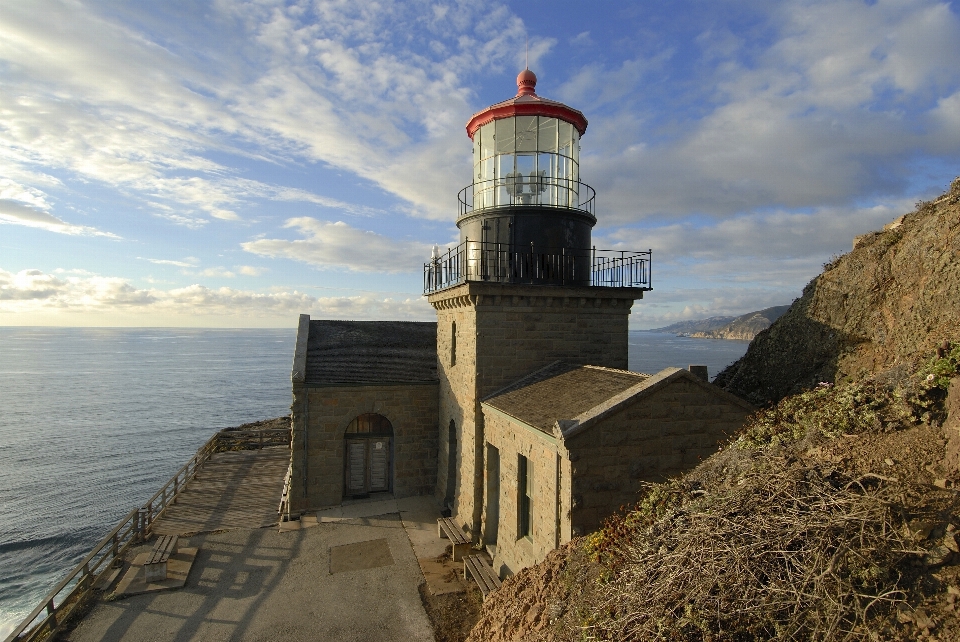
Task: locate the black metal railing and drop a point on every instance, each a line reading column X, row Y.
column 504, row 263
column 534, row 188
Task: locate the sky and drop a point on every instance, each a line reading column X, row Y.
column 235, row 164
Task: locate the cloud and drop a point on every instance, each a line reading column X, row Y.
column 17, row 213
column 217, row 272
column 123, row 111
column 713, row 267
column 340, row 245
column 28, row 285
column 833, row 106
column 33, row 294
column 772, row 236
column 340, row 83
column 189, row 262
column 248, row 270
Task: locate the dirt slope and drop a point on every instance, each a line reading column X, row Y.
column 894, row 297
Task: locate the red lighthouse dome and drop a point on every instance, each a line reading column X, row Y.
column 527, row 103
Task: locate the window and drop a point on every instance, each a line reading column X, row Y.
column 525, row 497
column 453, row 343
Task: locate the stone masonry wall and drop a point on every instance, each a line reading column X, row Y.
column 458, row 403
column 659, row 436
column 513, row 439
column 320, row 425
column 504, row 332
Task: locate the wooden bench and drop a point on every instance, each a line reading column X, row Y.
column 486, row 579
column 448, row 529
column 155, row 567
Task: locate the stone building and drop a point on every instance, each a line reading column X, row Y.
column 515, row 409
column 568, row 445
column 364, row 411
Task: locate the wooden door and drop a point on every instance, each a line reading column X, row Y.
column 356, row 473
column 367, row 466
column 379, row 465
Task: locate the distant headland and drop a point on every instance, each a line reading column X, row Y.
column 743, row 328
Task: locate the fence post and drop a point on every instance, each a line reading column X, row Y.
column 141, row 523
column 52, row 613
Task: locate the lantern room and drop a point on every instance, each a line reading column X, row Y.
column 526, row 174
column 526, row 217
column 526, row 151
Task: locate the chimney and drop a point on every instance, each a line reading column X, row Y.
column 700, row 372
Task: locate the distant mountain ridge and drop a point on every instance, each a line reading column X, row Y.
column 744, row 327
column 697, row 325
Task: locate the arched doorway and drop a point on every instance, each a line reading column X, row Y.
column 367, row 458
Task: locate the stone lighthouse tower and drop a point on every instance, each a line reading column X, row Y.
column 525, row 286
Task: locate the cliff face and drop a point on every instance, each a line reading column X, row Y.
column 746, row 326
column 894, row 297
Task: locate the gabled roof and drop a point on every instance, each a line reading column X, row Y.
column 365, row 352
column 563, row 400
column 561, row 391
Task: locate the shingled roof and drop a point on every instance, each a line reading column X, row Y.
column 370, row 352
column 561, row 391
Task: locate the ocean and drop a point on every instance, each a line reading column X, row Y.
column 94, row 420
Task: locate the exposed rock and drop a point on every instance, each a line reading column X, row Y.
column 878, row 308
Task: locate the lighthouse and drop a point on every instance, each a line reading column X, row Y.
column 525, row 286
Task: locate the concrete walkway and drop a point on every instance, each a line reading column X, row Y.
column 352, row 576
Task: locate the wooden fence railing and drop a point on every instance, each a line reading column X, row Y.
column 74, row 589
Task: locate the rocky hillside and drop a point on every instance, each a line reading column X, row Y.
column 744, row 327
column 895, row 297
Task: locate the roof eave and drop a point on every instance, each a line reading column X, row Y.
column 513, row 109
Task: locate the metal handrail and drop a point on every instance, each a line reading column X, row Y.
column 525, row 264
column 534, row 189
column 134, row 528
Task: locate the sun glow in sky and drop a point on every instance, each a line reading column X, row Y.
column 238, row 163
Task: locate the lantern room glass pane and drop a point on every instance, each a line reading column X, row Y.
column 526, row 133
column 487, row 141
column 575, row 147
column 565, row 136
column 476, row 150
column 547, row 135
column 506, row 143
